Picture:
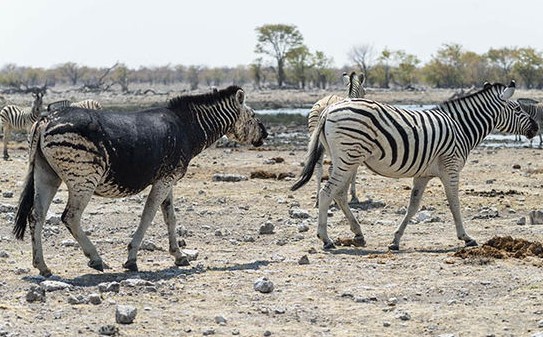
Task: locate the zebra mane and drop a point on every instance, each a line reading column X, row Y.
column 183, row 105
column 486, row 87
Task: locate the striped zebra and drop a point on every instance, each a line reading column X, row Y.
column 355, row 89
column 398, row 143
column 14, row 117
column 117, row 154
column 84, row 104
column 535, row 110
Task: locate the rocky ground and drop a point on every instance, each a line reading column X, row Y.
column 258, row 268
column 246, row 233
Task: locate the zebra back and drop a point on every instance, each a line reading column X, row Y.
column 88, row 104
column 533, row 108
column 355, row 89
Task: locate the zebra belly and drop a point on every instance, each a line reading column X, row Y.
column 383, row 168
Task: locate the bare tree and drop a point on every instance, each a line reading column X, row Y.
column 363, row 56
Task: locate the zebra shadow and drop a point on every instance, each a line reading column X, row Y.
column 385, row 252
column 92, row 280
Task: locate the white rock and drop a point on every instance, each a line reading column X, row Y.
column 125, row 314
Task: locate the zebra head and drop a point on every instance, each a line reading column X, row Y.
column 515, row 120
column 247, row 128
column 37, row 103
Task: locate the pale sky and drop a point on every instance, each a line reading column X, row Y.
column 45, row 33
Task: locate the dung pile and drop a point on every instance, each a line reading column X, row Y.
column 502, row 248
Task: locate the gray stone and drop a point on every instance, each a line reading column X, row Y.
column 4, row 208
column 108, row 330
column 192, row 254
column 263, row 285
column 50, row 285
column 95, row 299
column 297, row 213
column 3, row 254
column 79, row 299
column 303, row 260
column 536, row 217
column 7, row 194
column 220, row 320
column 136, row 282
column 267, row 228
column 107, row 287
column 35, row 294
column 125, row 314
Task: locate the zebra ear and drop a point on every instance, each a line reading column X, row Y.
column 346, row 79
column 487, row 85
column 240, row 96
column 508, row 92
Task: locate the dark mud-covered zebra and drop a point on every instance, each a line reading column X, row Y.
column 355, row 89
column 14, row 117
column 399, row 143
column 117, row 154
column 62, row 104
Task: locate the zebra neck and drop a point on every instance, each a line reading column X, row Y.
column 213, row 123
column 474, row 123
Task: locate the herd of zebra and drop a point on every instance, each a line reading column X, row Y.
column 14, row 117
column 117, row 154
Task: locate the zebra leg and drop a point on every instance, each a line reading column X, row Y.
column 451, row 190
column 319, row 169
column 46, row 184
column 419, row 184
column 159, row 192
column 354, row 198
column 71, row 217
column 7, row 131
column 169, row 218
column 335, row 188
column 341, row 200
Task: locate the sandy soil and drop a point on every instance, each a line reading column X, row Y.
column 423, row 290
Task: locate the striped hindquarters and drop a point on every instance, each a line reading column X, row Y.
column 17, row 117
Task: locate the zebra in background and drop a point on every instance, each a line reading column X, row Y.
column 535, row 110
column 14, row 117
column 62, row 104
column 399, row 143
column 355, row 89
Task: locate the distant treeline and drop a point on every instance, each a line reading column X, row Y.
column 450, row 67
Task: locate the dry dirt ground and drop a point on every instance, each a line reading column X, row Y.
column 422, row 290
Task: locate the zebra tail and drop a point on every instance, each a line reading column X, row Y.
column 26, row 201
column 315, row 152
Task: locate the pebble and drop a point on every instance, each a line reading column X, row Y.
column 108, row 330
column 125, row 314
column 303, row 227
column 303, row 260
column 3, row 254
column 49, row 285
column 536, row 217
column 79, row 299
column 297, row 213
column 208, row 332
column 106, row 287
column 136, row 282
column 95, row 299
column 4, row 208
column 192, row 254
column 149, row 246
column 404, row 316
column 7, row 194
column 267, row 228
column 220, row 320
column 263, row 285
column 35, row 294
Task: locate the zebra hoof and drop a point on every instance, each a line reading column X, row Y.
column 359, row 241
column 471, row 243
column 329, row 245
column 130, row 265
column 394, row 247
column 98, row 265
column 182, row 262
column 46, row 273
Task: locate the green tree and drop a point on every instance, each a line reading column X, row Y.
column 71, row 71
column 445, row 69
column 504, row 60
column 528, row 67
column 299, row 60
column 405, row 72
column 277, row 41
column 322, row 69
